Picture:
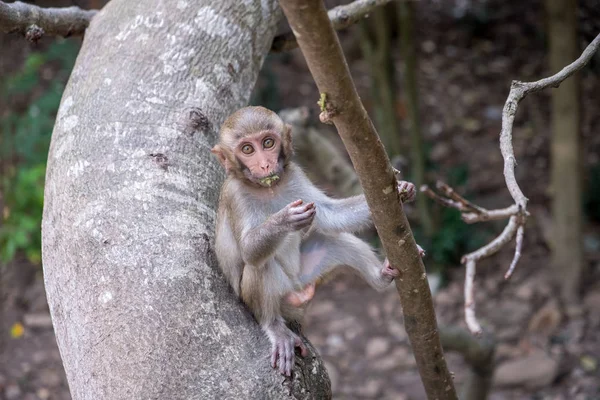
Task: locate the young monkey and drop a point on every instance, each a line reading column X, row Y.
column 277, row 234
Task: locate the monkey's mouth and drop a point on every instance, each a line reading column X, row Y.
column 268, row 181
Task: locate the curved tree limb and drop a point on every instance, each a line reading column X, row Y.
column 341, row 17
column 33, row 21
column 517, row 213
column 139, row 305
column 323, row 53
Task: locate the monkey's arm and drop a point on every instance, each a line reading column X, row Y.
column 342, row 215
column 260, row 243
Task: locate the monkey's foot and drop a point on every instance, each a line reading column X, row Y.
column 299, row 298
column 283, row 344
column 388, row 271
column 421, row 250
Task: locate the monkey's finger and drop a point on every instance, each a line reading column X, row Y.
column 298, row 343
column 283, row 354
column 407, row 190
column 303, row 208
column 274, row 355
column 289, row 357
column 281, row 351
column 303, row 215
column 295, row 203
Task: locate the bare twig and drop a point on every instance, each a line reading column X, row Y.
column 519, row 245
column 517, row 213
column 33, row 21
column 319, row 44
column 341, row 17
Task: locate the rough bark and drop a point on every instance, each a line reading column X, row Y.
column 139, row 307
column 566, row 154
column 321, row 48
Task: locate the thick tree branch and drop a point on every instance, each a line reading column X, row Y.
column 341, row 17
column 321, row 48
column 517, row 213
column 33, row 21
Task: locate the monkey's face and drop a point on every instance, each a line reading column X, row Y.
column 261, row 158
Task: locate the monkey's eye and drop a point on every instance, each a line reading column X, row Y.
column 247, row 149
column 268, row 143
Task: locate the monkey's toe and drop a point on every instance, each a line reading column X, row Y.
column 389, row 271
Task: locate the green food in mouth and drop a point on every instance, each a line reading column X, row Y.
column 269, row 180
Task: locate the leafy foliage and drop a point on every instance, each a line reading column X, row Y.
column 23, row 212
column 24, row 141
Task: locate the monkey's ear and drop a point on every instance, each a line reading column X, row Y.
column 287, row 134
column 218, row 151
column 288, row 148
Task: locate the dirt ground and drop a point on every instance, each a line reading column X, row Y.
column 544, row 350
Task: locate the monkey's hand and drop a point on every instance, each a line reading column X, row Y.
column 297, row 215
column 407, row 191
column 283, row 344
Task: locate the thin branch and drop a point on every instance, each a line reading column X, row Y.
column 518, row 91
column 519, row 245
column 470, row 318
column 492, row 247
column 33, row 22
column 517, row 213
column 470, row 213
column 321, row 49
column 341, row 17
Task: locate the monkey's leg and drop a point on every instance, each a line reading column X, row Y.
column 320, row 254
column 257, row 291
column 301, row 297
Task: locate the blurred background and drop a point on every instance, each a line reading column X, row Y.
column 434, row 76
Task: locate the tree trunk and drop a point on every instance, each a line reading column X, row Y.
column 375, row 43
column 139, row 306
column 406, row 18
column 566, row 151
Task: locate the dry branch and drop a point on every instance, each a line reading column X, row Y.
column 341, row 17
column 516, row 213
column 322, row 51
column 33, row 22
